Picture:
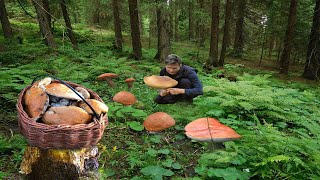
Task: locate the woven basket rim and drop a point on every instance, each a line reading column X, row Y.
column 23, row 113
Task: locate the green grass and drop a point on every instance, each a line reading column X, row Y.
column 278, row 121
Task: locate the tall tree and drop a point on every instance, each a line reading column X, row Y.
column 6, row 27
column 201, row 23
column 68, row 24
column 288, row 40
column 176, row 21
column 191, row 23
column 213, row 53
column 164, row 47
column 44, row 25
column 239, row 34
column 312, row 65
column 46, row 8
column 117, row 25
column 226, row 30
column 135, row 32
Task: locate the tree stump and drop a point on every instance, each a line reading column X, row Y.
column 47, row 164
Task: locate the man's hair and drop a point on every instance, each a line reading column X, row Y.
column 173, row 59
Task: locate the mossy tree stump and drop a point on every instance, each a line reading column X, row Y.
column 60, row 163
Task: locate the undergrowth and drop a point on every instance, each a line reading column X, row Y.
column 279, row 123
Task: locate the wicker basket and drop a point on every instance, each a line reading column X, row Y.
column 60, row 136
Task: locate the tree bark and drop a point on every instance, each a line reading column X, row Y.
column 201, row 25
column 68, row 24
column 164, row 47
column 117, row 25
column 239, row 34
column 176, row 21
column 288, row 40
column 226, row 30
column 6, row 27
column 47, row 11
column 191, row 23
column 135, row 33
column 44, row 25
column 312, row 65
column 213, row 53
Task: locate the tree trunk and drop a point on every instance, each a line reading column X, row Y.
column 271, row 44
column 47, row 11
column 202, row 32
column 164, row 47
column 6, row 27
column 117, row 25
column 226, row 30
column 68, row 24
column 239, row 34
column 51, row 164
column 312, row 65
column 176, row 22
column 191, row 25
column 213, row 53
column 135, row 33
column 288, row 40
column 44, row 25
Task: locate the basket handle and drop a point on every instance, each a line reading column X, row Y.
column 94, row 112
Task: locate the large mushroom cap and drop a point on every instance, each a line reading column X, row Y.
column 105, row 76
column 160, row 82
column 99, row 107
column 210, row 129
column 158, row 121
column 83, row 92
column 70, row 115
column 36, row 102
column 125, row 98
column 43, row 82
column 61, row 90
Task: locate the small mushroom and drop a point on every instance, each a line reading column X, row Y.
column 158, row 121
column 160, row 82
column 129, row 82
column 70, row 115
column 125, row 98
column 99, row 107
column 83, row 92
column 61, row 90
column 108, row 77
column 211, row 130
column 36, row 102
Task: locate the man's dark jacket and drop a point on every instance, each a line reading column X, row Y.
column 188, row 73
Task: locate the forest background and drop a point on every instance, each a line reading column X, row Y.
column 267, row 48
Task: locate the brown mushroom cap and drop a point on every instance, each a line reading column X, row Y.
column 61, row 90
column 36, row 102
column 70, row 115
column 105, row 76
column 160, row 82
column 43, row 82
column 98, row 106
column 210, row 129
column 83, row 92
column 158, row 121
column 129, row 80
column 125, row 98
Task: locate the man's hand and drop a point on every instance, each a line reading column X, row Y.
column 176, row 91
column 163, row 92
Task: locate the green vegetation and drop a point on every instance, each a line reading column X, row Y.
column 278, row 120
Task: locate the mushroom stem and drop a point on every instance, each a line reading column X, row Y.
column 110, row 82
column 130, row 84
column 212, row 146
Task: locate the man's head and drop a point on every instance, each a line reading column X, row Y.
column 173, row 64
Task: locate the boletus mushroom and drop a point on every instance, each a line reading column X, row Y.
column 36, row 102
column 62, row 91
column 98, row 107
column 108, row 77
column 70, row 115
column 160, row 82
column 211, row 130
column 158, row 121
column 129, row 82
column 125, row 98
